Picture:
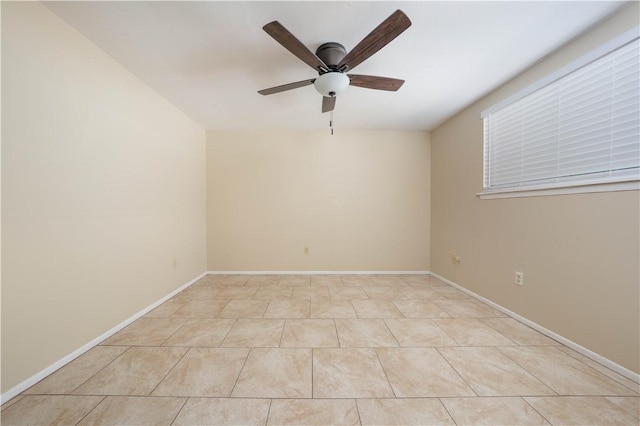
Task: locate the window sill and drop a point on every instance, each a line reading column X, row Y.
column 633, row 185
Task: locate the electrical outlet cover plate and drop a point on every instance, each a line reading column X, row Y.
column 519, row 278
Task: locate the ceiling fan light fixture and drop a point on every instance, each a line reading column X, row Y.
column 331, row 83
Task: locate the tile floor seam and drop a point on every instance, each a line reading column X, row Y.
column 447, row 410
column 91, row 411
column 171, row 335
column 223, row 308
column 94, row 374
column 179, row 411
column 284, row 325
column 335, row 328
column 227, row 333
column 483, row 321
column 235, row 383
column 635, row 412
column 358, row 411
column 545, row 384
column 354, row 310
column 445, row 332
column 10, row 402
column 530, row 372
column 615, row 375
column 384, row 320
column 266, row 420
column 312, row 381
column 335, row 325
column 524, row 398
column 435, row 300
column 386, row 376
column 265, row 310
column 169, row 372
column 457, row 372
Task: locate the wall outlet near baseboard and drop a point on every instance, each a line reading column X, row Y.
column 455, row 259
column 519, row 278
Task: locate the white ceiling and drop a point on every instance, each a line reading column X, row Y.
column 210, row 58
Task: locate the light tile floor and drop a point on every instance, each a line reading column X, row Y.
column 316, row 350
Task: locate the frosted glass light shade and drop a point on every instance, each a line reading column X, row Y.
column 331, row 83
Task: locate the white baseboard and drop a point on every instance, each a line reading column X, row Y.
column 631, row 375
column 75, row 354
column 318, row 272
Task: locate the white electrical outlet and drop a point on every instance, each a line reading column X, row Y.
column 519, row 278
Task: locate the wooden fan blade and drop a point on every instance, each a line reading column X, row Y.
column 389, row 29
column 374, row 82
column 286, row 87
column 328, row 103
column 293, row 45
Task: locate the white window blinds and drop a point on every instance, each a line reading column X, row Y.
column 583, row 127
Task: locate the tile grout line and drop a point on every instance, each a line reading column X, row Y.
column 457, row 372
column 284, row 325
column 483, row 321
column 335, row 328
column 223, row 308
column 179, row 411
column 527, row 370
column 185, row 321
column 447, row 410
column 235, row 321
column 635, row 413
column 266, row 420
column 386, row 376
column 265, row 310
column 91, row 411
column 355, row 400
column 170, row 370
column 384, row 320
column 94, row 374
column 240, row 373
column 312, row 364
column 354, row 310
column 12, row 401
column 616, row 375
column 445, row 332
column 536, row 410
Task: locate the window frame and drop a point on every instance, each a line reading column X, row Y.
column 583, row 186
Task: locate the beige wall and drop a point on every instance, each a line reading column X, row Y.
column 103, row 186
column 579, row 253
column 358, row 200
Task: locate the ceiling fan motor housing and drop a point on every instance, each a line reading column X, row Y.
column 333, row 81
column 331, row 54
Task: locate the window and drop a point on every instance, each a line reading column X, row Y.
column 578, row 127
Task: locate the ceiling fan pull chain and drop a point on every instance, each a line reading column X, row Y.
column 331, row 123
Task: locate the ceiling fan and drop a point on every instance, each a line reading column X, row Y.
column 332, row 61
